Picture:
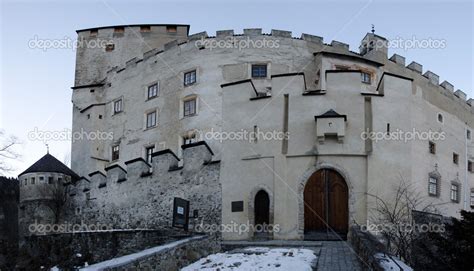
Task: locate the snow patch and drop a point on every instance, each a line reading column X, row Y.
column 391, row 263
column 258, row 258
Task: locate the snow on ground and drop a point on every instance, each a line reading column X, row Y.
column 258, row 258
column 389, row 264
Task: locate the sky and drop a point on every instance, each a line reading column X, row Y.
column 35, row 84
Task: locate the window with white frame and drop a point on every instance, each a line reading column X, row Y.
column 153, row 90
column 433, row 186
column 190, row 78
column 189, row 107
column 115, row 152
column 259, row 71
column 149, row 152
column 118, row 106
column 188, row 139
column 455, row 192
column 151, row 119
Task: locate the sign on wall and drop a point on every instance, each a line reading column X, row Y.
column 180, row 213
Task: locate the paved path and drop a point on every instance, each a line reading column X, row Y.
column 338, row 256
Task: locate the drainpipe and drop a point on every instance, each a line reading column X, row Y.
column 466, row 184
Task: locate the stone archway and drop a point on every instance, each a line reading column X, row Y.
column 305, row 178
column 251, row 207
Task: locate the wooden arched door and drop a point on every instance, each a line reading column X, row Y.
column 262, row 208
column 326, row 205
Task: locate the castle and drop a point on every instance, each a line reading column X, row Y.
column 255, row 128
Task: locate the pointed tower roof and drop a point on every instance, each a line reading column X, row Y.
column 49, row 163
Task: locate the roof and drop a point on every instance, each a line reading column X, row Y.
column 331, row 114
column 49, row 163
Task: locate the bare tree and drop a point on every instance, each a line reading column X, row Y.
column 394, row 218
column 7, row 151
column 55, row 196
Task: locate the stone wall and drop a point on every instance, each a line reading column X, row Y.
column 74, row 249
column 9, row 194
column 170, row 257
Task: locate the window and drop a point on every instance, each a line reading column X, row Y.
column 25, row 182
column 440, row 118
column 109, row 47
column 32, row 180
column 469, row 166
column 455, row 158
column 259, row 71
column 472, row 198
column 149, row 151
column 94, row 32
column 189, row 139
column 151, row 119
column 171, row 29
column 115, row 152
column 455, row 192
column 468, row 134
column 118, row 106
column 41, row 179
column 432, row 147
column 365, row 77
column 60, row 180
column 153, row 91
column 190, row 78
column 88, row 195
column 88, row 116
column 50, row 180
column 433, row 187
column 190, row 107
column 100, row 116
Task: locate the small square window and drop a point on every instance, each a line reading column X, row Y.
column 118, row 106
column 153, row 91
column 151, row 119
column 171, row 29
column 455, row 158
column 454, row 192
column 432, row 147
column 41, row 179
column 115, row 152
column 259, row 71
column 60, row 179
column 470, row 167
column 109, row 47
column 190, row 78
column 148, row 152
column 94, row 32
column 190, row 107
column 365, row 77
column 433, row 187
column 189, row 139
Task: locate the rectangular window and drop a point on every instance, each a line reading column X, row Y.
column 469, row 166
column 151, row 119
column 153, row 91
column 189, row 107
column 433, row 187
column 468, row 134
column 189, row 139
column 365, row 77
column 455, row 158
column 115, row 152
column 454, row 192
column 60, row 180
column 432, row 148
column 118, row 106
column 33, row 180
column 259, row 71
column 190, row 78
column 41, row 179
column 149, row 151
column 25, row 182
column 50, row 180
column 472, row 198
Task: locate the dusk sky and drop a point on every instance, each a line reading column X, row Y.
column 35, row 84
